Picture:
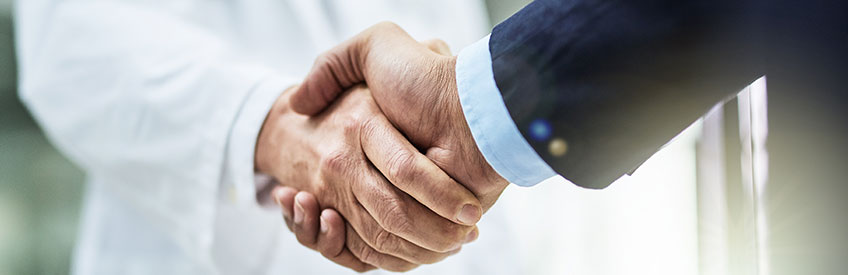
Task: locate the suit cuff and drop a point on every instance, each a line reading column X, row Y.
column 242, row 184
column 493, row 129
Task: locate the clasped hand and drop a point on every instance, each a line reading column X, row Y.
column 392, row 164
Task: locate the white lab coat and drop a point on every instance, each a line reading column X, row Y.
column 159, row 101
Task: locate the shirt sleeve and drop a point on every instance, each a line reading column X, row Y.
column 492, row 127
column 147, row 101
column 244, row 185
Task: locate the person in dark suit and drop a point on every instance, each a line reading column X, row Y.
column 590, row 89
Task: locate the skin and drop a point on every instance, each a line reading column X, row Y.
column 322, row 231
column 415, row 87
column 351, row 159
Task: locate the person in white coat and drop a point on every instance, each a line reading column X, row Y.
column 161, row 102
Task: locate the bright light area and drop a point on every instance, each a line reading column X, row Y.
column 642, row 224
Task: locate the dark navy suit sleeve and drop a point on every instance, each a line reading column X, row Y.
column 616, row 80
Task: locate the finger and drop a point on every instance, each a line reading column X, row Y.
column 332, row 73
column 347, row 259
column 365, row 253
column 400, row 213
column 340, row 68
column 472, row 236
column 331, row 242
column 331, row 238
column 306, row 219
column 289, row 223
column 438, row 46
column 412, row 172
column 284, row 197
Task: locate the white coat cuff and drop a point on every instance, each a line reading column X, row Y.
column 243, row 181
column 493, row 129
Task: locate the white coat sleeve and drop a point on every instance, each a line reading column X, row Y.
column 164, row 108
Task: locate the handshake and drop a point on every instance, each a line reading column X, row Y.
column 376, row 163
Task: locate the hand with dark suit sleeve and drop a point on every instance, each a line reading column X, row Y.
column 584, row 89
column 421, row 99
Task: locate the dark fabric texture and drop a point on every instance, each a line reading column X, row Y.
column 617, row 79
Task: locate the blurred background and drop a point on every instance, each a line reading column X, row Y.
column 40, row 190
column 670, row 217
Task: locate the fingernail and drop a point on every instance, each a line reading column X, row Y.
column 471, row 236
column 276, row 195
column 287, row 212
column 324, row 227
column 469, row 215
column 298, row 212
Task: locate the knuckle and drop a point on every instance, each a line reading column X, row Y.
column 333, row 65
column 351, row 125
column 453, row 235
column 387, row 26
column 442, row 157
column 323, row 58
column 402, row 167
column 385, row 242
column 395, row 218
column 368, row 255
column 328, row 58
column 371, row 128
column 334, row 163
column 325, row 64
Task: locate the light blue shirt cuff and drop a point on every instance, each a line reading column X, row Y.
column 492, row 127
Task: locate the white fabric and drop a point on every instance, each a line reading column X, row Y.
column 159, row 101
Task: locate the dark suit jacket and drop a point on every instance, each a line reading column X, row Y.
column 617, row 79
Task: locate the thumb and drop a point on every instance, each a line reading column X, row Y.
column 333, row 72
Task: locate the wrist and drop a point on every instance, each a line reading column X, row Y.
column 266, row 145
column 450, row 99
column 457, row 123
